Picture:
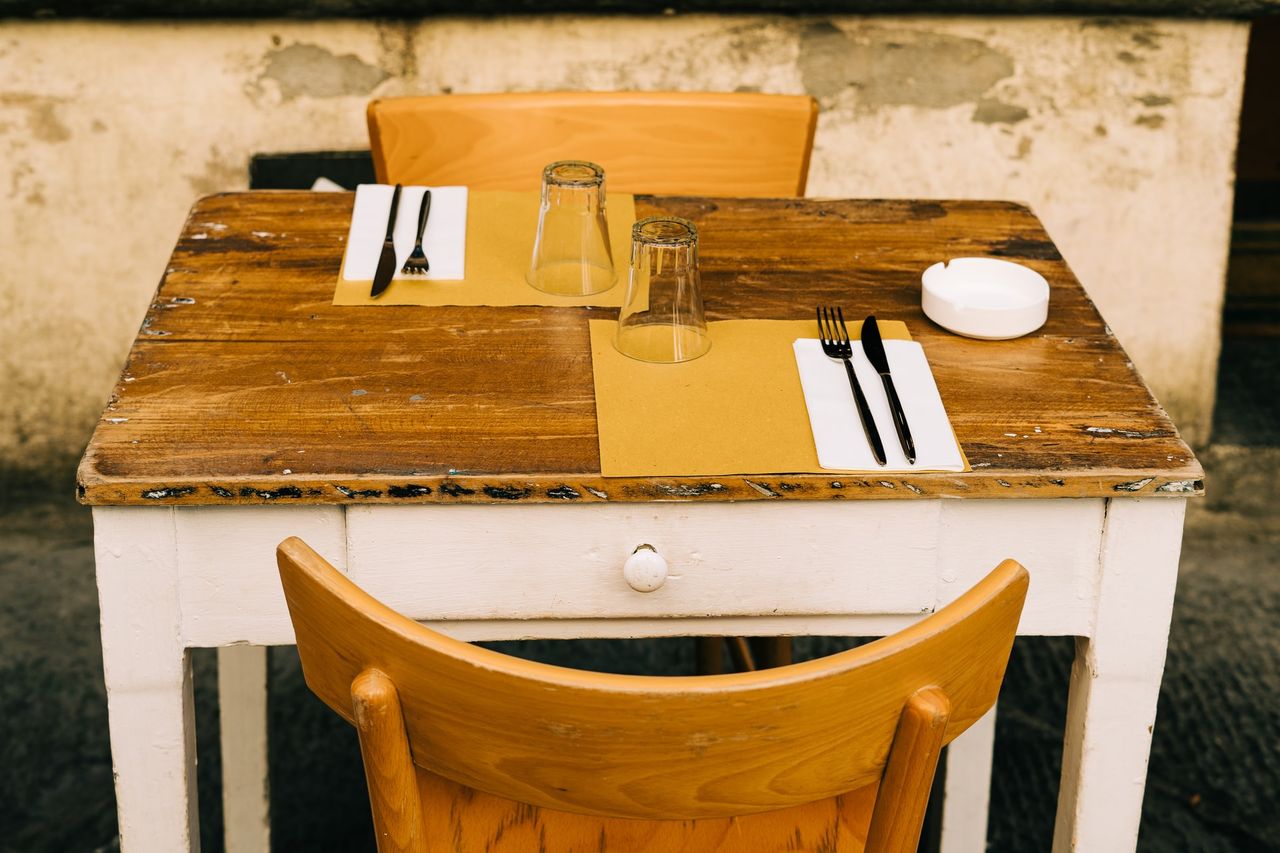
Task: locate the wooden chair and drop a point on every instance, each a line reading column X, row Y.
column 673, row 143
column 467, row 749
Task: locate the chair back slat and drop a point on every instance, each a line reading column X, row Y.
column 672, row 143
column 649, row 747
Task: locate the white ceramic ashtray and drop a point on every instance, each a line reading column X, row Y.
column 985, row 298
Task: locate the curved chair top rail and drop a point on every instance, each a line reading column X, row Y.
column 649, row 746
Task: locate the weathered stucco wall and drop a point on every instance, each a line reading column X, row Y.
column 1121, row 134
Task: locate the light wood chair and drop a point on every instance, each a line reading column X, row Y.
column 673, row 143
column 467, row 749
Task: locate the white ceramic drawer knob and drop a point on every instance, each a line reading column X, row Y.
column 645, row 570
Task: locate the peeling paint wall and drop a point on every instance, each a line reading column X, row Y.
column 1121, row 134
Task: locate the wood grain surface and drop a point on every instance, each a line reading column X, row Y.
column 688, row 143
column 677, row 749
column 247, row 386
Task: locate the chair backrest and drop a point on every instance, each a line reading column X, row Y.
column 673, row 143
column 646, row 747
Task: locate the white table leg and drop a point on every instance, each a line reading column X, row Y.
column 1116, row 678
column 242, row 703
column 967, row 789
column 151, row 711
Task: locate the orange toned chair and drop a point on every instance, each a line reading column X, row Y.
column 672, row 143
column 466, row 749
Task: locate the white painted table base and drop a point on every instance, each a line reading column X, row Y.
column 171, row 579
column 966, row 789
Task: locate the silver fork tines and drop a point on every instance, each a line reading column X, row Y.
column 834, row 336
column 416, row 263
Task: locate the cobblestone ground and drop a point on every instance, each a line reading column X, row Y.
column 1215, row 769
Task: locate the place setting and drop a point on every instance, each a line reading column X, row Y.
column 676, row 395
column 496, row 248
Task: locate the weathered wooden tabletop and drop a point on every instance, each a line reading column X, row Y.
column 246, row 385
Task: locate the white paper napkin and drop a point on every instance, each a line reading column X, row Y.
column 833, row 415
column 445, row 242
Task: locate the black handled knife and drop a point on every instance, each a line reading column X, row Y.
column 874, row 348
column 387, row 260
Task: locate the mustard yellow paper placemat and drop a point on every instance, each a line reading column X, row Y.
column 500, row 232
column 739, row 409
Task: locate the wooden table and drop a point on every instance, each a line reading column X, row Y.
column 447, row 459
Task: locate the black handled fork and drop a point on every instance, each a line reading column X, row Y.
column 417, row 263
column 834, row 336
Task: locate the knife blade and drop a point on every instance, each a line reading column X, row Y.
column 387, row 260
column 873, row 346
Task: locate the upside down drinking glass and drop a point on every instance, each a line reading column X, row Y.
column 662, row 318
column 571, row 254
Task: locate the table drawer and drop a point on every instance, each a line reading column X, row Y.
column 565, row 562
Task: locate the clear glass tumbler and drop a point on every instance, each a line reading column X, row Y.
column 662, row 318
column 571, row 255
